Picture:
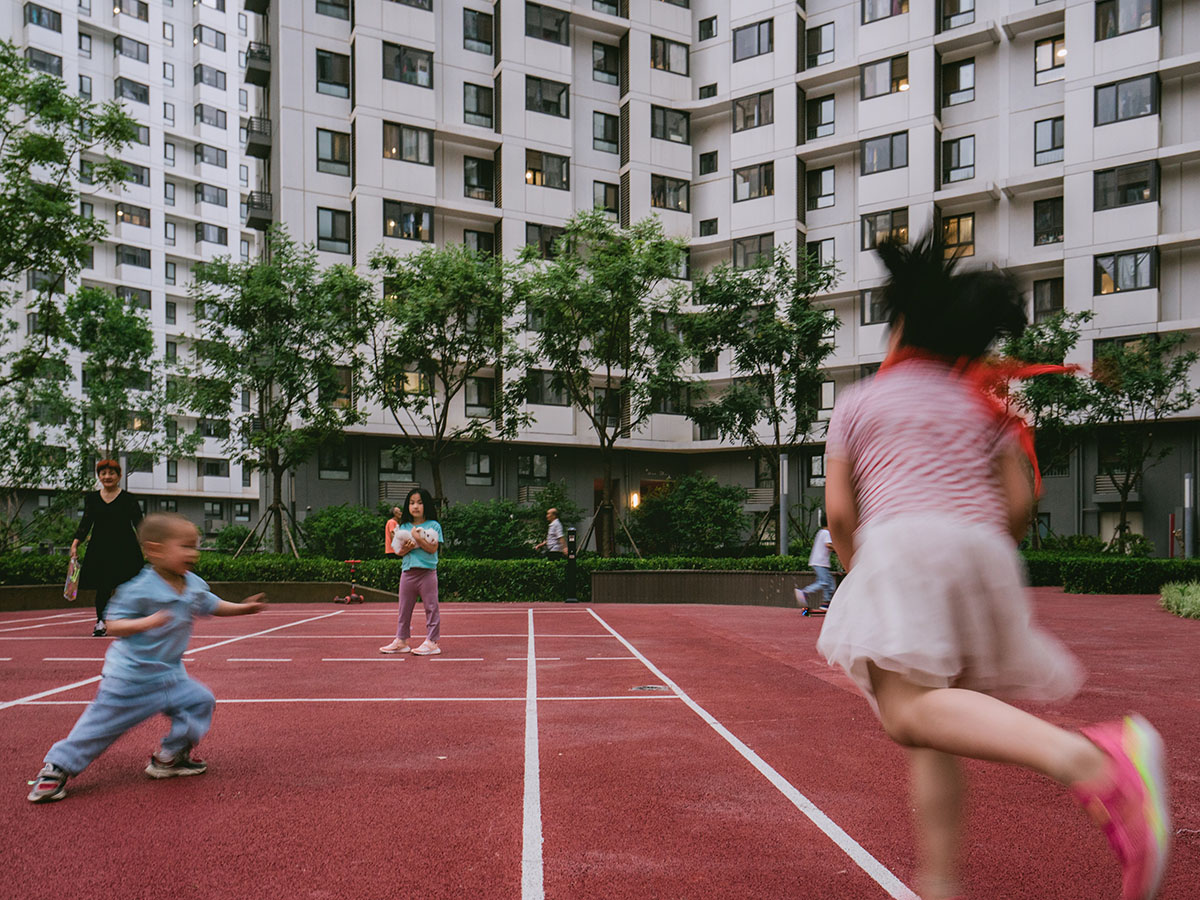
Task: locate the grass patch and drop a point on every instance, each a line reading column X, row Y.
column 1182, row 598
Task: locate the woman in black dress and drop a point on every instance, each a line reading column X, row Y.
column 114, row 555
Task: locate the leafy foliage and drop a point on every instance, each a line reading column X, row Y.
column 487, row 529
column 230, row 538
column 695, row 514
column 1122, row 575
column 345, row 532
column 1182, row 599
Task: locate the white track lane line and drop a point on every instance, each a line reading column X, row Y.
column 72, row 659
column 95, row 678
column 257, row 659
column 532, row 884
column 596, row 658
column 49, row 624
column 863, row 859
column 387, row 700
column 539, row 659
column 456, row 658
column 43, row 618
column 392, row 658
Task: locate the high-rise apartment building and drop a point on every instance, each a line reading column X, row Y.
column 179, row 68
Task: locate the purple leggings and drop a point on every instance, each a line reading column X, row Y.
column 420, row 582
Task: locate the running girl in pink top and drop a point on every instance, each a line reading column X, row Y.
column 928, row 489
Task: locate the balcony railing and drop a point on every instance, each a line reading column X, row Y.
column 259, row 209
column 258, row 64
column 258, row 137
column 257, row 6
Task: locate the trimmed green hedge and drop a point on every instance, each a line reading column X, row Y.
column 1121, row 575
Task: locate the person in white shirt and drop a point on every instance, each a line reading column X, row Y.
column 819, row 559
column 555, row 543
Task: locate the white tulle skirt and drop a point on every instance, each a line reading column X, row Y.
column 943, row 603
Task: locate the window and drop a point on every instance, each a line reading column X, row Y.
column 708, row 227
column 333, row 73
column 1129, row 99
column 670, row 125
column 125, row 89
column 606, row 196
column 707, row 90
column 669, row 193
column 1130, row 270
column 338, row 9
column 85, row 47
column 606, row 6
column 333, row 230
column 136, row 174
column 958, row 82
column 668, row 55
column 820, row 188
column 958, row 234
column 820, row 253
column 410, row 221
column 136, row 8
column 547, row 170
column 547, row 24
column 750, row 251
column 42, row 17
column 218, row 5
column 338, row 391
column 419, row 4
column 407, row 65
column 208, row 193
column 1048, row 141
column 816, row 470
column 533, row 468
column 168, row 111
column 753, row 111
column 244, row 175
column 243, row 24
column 127, row 214
column 172, row 478
column 606, row 130
column 885, row 77
column 818, row 117
column 210, row 37
column 606, row 61
column 818, row 45
column 477, row 105
column 956, row 13
column 126, row 46
column 243, row 100
column 168, row 74
column 879, row 227
column 203, row 114
column 133, row 256
column 478, row 468
column 172, row 351
column 479, row 241
column 169, row 193
column 874, row 10
column 407, row 143
column 708, row 162
column 169, row 34
column 333, row 151
column 871, row 307
column 1049, row 60
column 753, row 40
column 542, row 390
column 1126, row 185
column 202, row 74
column 241, row 511
column 396, row 464
column 1116, row 17
column 136, row 298
column 542, row 237
column 478, row 178
column 212, row 234
column 333, row 459
column 1047, row 298
column 1048, row 221
column 751, row 182
column 141, row 135
column 477, row 31
column 213, row 509
column 958, row 159
column 479, row 396
column 708, row 28
column 85, row 87
column 884, row 153
column 244, row 245
column 549, row 97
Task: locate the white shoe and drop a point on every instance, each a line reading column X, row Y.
column 427, row 649
column 396, row 646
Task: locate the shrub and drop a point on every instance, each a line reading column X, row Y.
column 1135, row 545
column 1073, row 543
column 345, row 532
column 1124, row 575
column 29, row 568
column 1182, row 599
column 695, row 514
column 489, row 529
column 230, row 538
column 552, row 496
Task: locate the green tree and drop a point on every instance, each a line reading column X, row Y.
column 287, row 332
column 345, row 532
column 1057, row 407
column 768, row 317
column 442, row 331
column 602, row 309
column 694, row 516
column 1136, row 384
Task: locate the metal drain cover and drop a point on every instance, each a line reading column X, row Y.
column 650, row 687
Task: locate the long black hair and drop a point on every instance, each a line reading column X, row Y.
column 944, row 311
column 426, row 499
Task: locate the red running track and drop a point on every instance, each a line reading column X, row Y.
column 339, row 773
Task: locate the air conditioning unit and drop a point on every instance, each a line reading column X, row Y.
column 212, row 526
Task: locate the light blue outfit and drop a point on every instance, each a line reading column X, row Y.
column 418, row 558
column 143, row 674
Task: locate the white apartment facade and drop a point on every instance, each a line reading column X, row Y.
column 177, row 67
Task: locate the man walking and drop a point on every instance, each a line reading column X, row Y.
column 389, row 530
column 555, row 544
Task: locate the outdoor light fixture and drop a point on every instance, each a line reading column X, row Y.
column 634, row 500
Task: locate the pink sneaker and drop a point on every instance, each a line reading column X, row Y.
column 1132, row 807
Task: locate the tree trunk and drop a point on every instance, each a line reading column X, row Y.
column 277, row 503
column 1035, row 537
column 605, row 524
column 439, row 496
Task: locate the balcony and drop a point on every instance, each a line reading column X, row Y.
column 258, row 137
column 258, row 64
column 259, row 207
column 257, row 6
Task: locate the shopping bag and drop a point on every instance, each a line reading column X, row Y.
column 71, row 587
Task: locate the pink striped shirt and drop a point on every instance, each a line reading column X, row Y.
column 919, row 441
